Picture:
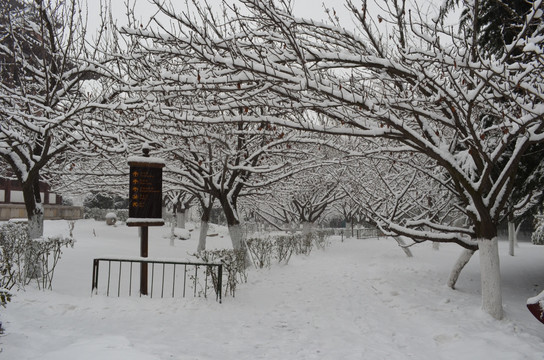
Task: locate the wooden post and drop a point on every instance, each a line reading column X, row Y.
column 144, row 237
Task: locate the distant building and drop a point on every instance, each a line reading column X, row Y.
column 12, row 204
column 11, row 192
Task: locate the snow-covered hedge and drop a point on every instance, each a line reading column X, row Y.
column 282, row 247
column 538, row 235
column 23, row 260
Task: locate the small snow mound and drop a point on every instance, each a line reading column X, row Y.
column 181, row 234
column 111, row 218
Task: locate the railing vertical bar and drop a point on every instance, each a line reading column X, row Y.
column 206, row 282
column 109, row 273
column 96, row 263
column 152, row 278
column 130, row 281
column 196, row 275
column 219, row 282
column 162, row 287
column 119, row 283
column 174, row 281
column 184, row 278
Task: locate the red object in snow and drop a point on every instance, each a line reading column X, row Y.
column 536, row 306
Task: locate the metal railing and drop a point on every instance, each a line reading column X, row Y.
column 368, row 233
column 179, row 276
column 361, row 233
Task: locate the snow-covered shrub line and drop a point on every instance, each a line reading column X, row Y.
column 282, row 247
column 23, row 260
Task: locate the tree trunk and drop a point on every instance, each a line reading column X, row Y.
column 204, row 225
column 238, row 242
column 518, row 228
column 463, row 259
column 35, row 223
column 34, row 208
column 490, row 277
column 511, row 237
column 307, row 227
column 403, row 246
column 35, row 216
column 349, row 227
column 180, row 219
column 172, row 233
column 236, row 236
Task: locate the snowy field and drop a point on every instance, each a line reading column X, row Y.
column 358, row 299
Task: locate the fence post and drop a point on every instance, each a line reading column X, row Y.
column 95, row 275
column 143, row 253
column 219, row 283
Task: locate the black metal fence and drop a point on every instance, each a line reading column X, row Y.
column 165, row 278
column 361, row 233
column 368, row 233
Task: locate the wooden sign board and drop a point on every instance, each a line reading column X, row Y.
column 145, row 192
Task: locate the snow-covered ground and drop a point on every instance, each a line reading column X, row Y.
column 358, row 299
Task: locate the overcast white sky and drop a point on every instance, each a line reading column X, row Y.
column 144, row 9
column 303, row 8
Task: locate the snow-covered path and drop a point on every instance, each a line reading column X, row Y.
column 360, row 299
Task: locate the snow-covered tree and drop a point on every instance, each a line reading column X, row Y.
column 45, row 106
column 304, row 198
column 495, row 28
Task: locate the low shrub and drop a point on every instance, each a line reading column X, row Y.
column 23, row 259
column 234, row 269
column 5, row 297
column 285, row 247
column 260, row 251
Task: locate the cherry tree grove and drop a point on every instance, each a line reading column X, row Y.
column 426, row 87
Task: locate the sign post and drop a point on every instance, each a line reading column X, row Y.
column 145, row 205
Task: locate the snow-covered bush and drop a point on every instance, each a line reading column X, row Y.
column 284, row 248
column 100, row 214
column 234, row 269
column 14, row 241
column 321, row 239
column 304, row 243
column 111, row 218
column 23, row 260
column 48, row 251
column 5, row 297
column 261, row 251
column 538, row 235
